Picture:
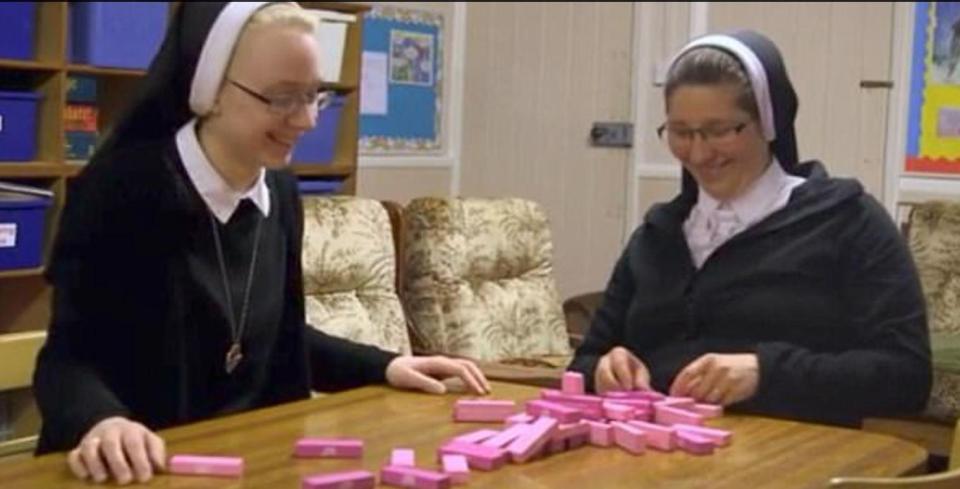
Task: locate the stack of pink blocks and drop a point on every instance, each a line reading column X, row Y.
column 560, row 420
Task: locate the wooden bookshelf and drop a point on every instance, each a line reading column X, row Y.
column 24, row 294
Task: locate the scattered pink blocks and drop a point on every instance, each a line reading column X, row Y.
column 414, row 477
column 533, row 439
column 708, row 410
column 718, row 437
column 403, row 457
column 572, row 383
column 669, row 415
column 694, row 444
column 658, row 436
column 475, row 436
column 457, row 468
column 629, row 438
column 563, row 414
column 357, row 479
column 478, row 456
column 329, row 448
column 204, row 465
column 505, row 437
column 483, row 410
column 618, row 412
column 601, row 434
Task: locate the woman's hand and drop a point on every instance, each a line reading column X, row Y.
column 719, row 378
column 421, row 373
column 120, row 449
column 620, row 369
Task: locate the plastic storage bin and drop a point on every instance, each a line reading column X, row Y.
column 320, row 187
column 18, row 126
column 18, row 22
column 117, row 34
column 320, row 144
column 22, row 219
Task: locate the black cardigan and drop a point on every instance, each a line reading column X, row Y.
column 824, row 291
column 138, row 327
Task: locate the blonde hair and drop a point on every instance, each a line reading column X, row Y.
column 285, row 14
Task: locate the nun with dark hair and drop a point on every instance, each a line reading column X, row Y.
column 176, row 270
column 765, row 285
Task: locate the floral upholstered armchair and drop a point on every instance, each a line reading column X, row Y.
column 479, row 281
column 350, row 271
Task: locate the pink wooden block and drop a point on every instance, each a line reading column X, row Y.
column 520, row 418
column 668, row 415
column 329, row 448
column 652, row 396
column 533, row 439
column 478, row 456
column 629, row 438
column 560, row 412
column 601, row 434
column 475, row 436
column 357, row 479
column 718, row 437
column 403, row 457
column 634, row 403
column 658, row 436
column 694, row 444
column 483, row 410
column 618, row 412
column 456, row 467
column 708, row 410
column 204, row 465
column 572, row 383
column 567, row 431
column 679, row 402
column 505, row 437
column 592, row 406
column 414, row 477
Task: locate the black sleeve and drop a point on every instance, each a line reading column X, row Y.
column 335, row 363
column 889, row 372
column 606, row 329
column 70, row 381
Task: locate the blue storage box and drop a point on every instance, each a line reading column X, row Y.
column 116, row 34
column 18, row 126
column 320, row 187
column 82, row 88
column 22, row 219
column 18, row 22
column 80, row 144
column 320, row 144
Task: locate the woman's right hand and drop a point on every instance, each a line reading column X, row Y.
column 120, row 449
column 620, row 369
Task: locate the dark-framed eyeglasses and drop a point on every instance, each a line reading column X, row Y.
column 289, row 104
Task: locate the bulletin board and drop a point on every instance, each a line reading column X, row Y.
column 933, row 138
column 401, row 81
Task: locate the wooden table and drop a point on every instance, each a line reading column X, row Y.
column 765, row 452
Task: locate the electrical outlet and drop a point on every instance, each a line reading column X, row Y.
column 612, row 134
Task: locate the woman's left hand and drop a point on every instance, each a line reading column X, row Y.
column 421, row 373
column 719, row 378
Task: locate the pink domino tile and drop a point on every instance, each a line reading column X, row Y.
column 660, row 437
column 505, row 437
column 328, row 448
column 669, row 415
column 601, row 434
column 572, row 383
column 206, row 465
column 475, row 436
column 457, row 468
column 719, row 437
column 618, row 412
column 629, row 438
column 403, row 457
column 560, row 412
column 537, row 435
column 478, row 456
column 694, row 444
column 483, row 410
column 357, row 479
column 414, row 477
column 708, row 410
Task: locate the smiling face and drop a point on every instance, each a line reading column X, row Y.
column 719, row 143
column 276, row 62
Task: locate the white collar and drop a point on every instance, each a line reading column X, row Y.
column 763, row 194
column 221, row 199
